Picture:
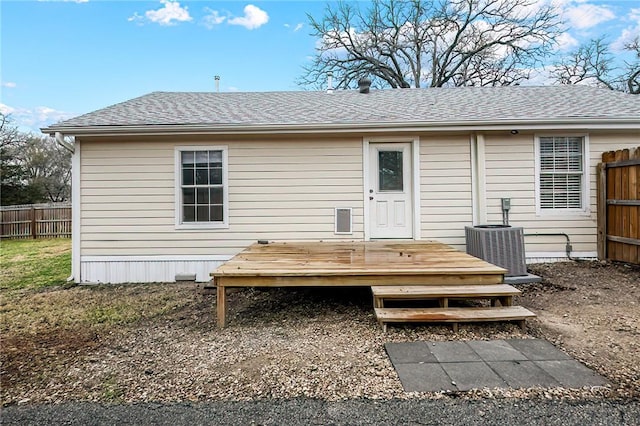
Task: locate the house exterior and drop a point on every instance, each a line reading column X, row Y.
column 171, row 185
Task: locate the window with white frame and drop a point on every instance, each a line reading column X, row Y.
column 202, row 186
column 561, row 173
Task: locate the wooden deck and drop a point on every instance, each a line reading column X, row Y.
column 379, row 263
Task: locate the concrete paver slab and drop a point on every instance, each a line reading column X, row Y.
column 523, row 374
column 458, row 365
column 496, row 350
column 453, row 352
column 472, row 375
column 538, row 349
column 571, row 373
column 429, row 377
column 409, row 352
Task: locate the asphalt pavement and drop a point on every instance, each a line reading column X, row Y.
column 317, row 412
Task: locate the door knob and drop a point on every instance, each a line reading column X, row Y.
column 371, row 198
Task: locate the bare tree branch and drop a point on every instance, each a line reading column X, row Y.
column 435, row 43
column 593, row 64
column 633, row 68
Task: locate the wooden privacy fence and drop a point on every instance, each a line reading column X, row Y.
column 36, row 221
column 619, row 206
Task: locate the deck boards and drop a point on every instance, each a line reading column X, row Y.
column 355, row 263
column 352, row 258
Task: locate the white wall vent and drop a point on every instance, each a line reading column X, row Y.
column 500, row 245
column 343, row 220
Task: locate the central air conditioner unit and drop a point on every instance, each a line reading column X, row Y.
column 498, row 244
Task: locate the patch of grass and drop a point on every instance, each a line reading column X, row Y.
column 46, row 325
column 111, row 391
column 115, row 314
column 34, row 264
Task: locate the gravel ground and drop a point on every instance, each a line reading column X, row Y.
column 322, row 344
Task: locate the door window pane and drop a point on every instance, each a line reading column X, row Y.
column 390, row 171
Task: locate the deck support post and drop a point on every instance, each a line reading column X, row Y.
column 221, row 305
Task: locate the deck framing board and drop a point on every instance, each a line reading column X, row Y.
column 356, row 263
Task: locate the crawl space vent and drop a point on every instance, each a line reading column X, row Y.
column 343, row 221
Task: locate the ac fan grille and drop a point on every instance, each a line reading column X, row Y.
column 503, row 247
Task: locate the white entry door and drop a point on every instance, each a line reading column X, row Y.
column 390, row 192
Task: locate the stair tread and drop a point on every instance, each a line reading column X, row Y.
column 453, row 314
column 410, row 291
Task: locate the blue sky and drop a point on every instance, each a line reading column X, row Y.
column 64, row 58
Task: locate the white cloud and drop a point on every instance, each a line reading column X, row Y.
column 33, row 119
column 584, row 16
column 169, row 14
column 539, row 77
column 566, row 42
column 253, row 18
column 629, row 33
column 9, row 84
column 297, row 28
column 212, row 18
column 6, row 109
column 136, row 18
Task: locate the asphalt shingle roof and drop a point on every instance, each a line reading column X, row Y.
column 349, row 107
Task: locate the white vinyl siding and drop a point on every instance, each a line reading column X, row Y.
column 278, row 190
column 288, row 189
column 445, row 185
column 561, row 174
column 511, row 173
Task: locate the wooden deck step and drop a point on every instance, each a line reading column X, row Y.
column 453, row 315
column 435, row 291
column 502, row 292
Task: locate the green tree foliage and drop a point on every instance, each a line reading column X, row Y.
column 34, row 169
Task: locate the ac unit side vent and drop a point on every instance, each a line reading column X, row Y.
column 503, row 247
column 343, row 221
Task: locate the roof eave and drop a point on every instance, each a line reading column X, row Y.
column 574, row 123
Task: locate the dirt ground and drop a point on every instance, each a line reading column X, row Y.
column 287, row 343
column 592, row 310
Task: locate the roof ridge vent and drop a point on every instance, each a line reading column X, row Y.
column 364, row 85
